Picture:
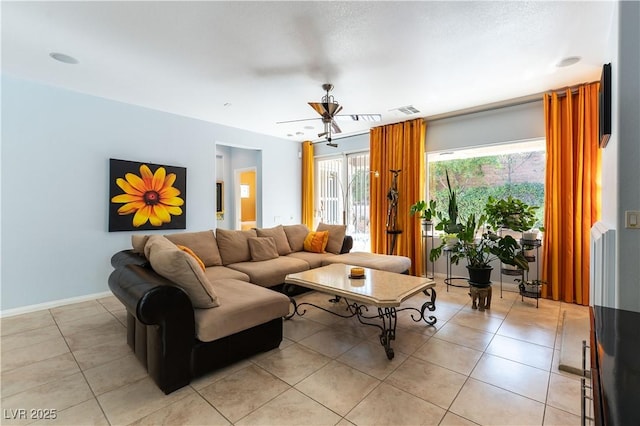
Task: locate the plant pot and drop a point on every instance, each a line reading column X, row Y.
column 480, row 277
column 426, row 226
column 530, row 235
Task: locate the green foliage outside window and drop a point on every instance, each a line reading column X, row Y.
column 472, row 190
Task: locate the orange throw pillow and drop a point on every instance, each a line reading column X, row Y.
column 190, row 252
column 316, row 242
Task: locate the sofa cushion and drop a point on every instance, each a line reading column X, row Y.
column 278, row 234
column 313, row 259
column 234, row 245
column 242, row 306
column 383, row 262
column 202, row 243
column 215, row 273
column 262, row 248
column 316, row 242
column 296, row 235
column 178, row 266
column 269, row 273
column 336, row 236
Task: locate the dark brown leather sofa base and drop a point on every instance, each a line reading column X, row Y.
column 161, row 329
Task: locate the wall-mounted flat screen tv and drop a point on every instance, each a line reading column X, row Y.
column 604, row 106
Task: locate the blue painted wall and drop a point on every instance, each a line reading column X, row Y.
column 56, row 146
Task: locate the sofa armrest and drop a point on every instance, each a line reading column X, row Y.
column 128, row 257
column 152, row 298
column 347, row 244
column 161, row 324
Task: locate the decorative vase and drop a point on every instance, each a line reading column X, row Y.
column 480, row 277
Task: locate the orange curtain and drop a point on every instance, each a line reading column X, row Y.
column 392, row 147
column 572, row 192
column 307, row 184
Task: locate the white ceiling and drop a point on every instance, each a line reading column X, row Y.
column 251, row 64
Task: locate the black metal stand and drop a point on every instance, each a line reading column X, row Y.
column 450, row 279
column 427, row 244
column 393, row 235
column 387, row 316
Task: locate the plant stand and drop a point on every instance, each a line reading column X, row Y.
column 450, row 278
column 531, row 288
column 481, row 295
column 427, row 245
column 526, row 288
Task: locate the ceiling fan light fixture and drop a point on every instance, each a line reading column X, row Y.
column 326, row 109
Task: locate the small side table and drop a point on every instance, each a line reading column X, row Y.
column 450, row 278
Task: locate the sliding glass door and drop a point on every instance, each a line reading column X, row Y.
column 342, row 188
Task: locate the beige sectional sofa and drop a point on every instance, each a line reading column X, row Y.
column 240, row 255
column 197, row 301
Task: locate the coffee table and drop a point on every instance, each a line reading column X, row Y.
column 384, row 290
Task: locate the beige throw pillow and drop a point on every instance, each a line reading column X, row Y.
column 336, row 236
column 296, row 235
column 233, row 245
column 279, row 236
column 181, row 268
column 202, row 243
column 138, row 241
column 262, row 248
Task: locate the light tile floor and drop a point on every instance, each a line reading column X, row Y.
column 491, row 368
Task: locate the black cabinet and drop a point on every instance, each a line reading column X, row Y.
column 615, row 366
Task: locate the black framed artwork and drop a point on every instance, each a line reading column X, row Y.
column 145, row 196
column 219, row 200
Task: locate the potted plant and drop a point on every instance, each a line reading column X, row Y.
column 479, row 252
column 449, row 223
column 426, row 211
column 510, row 213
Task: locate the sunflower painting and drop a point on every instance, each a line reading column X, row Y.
column 146, row 196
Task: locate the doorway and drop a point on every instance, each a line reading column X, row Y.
column 246, row 195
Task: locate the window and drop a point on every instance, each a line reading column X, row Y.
column 342, row 188
column 516, row 169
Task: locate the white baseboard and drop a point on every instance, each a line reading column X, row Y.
column 53, row 304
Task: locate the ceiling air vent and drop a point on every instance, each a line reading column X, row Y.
column 409, row 109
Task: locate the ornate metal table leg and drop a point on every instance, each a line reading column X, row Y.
column 285, row 289
column 295, row 308
column 430, row 305
column 388, row 317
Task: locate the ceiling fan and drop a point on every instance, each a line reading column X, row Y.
column 328, row 109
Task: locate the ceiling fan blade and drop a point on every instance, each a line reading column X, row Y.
column 295, row 121
column 335, row 127
column 358, row 117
